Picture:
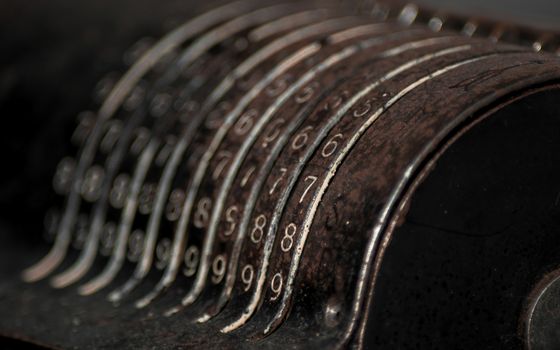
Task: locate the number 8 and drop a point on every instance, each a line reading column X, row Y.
column 288, row 239
column 257, row 233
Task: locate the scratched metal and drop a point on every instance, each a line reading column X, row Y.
column 98, row 176
column 312, row 87
column 219, row 104
column 302, row 51
column 242, row 182
column 184, row 95
column 278, row 284
column 277, row 191
column 271, row 131
column 124, row 89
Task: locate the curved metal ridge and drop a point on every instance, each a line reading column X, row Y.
column 245, row 175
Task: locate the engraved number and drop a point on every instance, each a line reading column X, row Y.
column 276, row 286
column 224, row 157
column 218, row 269
column 247, row 176
column 140, row 141
column 245, row 122
column 62, row 179
column 91, row 187
column 363, row 110
column 231, row 212
column 273, row 131
column 166, row 150
column 247, row 275
column 331, row 146
column 81, row 231
column 282, row 173
column 163, row 252
column 192, row 256
column 288, row 239
column 175, row 205
column 311, row 179
column 119, row 191
column 202, row 212
column 301, row 139
column 257, row 233
column 86, row 122
column 135, row 245
column 111, row 136
column 307, row 93
column 146, row 198
column 108, row 238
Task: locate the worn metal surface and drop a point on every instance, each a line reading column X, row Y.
column 240, row 186
column 540, row 323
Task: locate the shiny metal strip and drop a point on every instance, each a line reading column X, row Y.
column 117, row 260
column 173, row 163
column 82, row 265
column 312, row 209
column 279, row 208
column 283, row 139
column 115, row 99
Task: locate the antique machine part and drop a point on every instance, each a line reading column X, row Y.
column 284, row 174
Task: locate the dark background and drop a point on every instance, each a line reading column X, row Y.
column 52, row 55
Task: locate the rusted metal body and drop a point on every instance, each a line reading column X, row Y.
column 245, row 182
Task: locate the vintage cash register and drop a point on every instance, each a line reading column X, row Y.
column 279, row 174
